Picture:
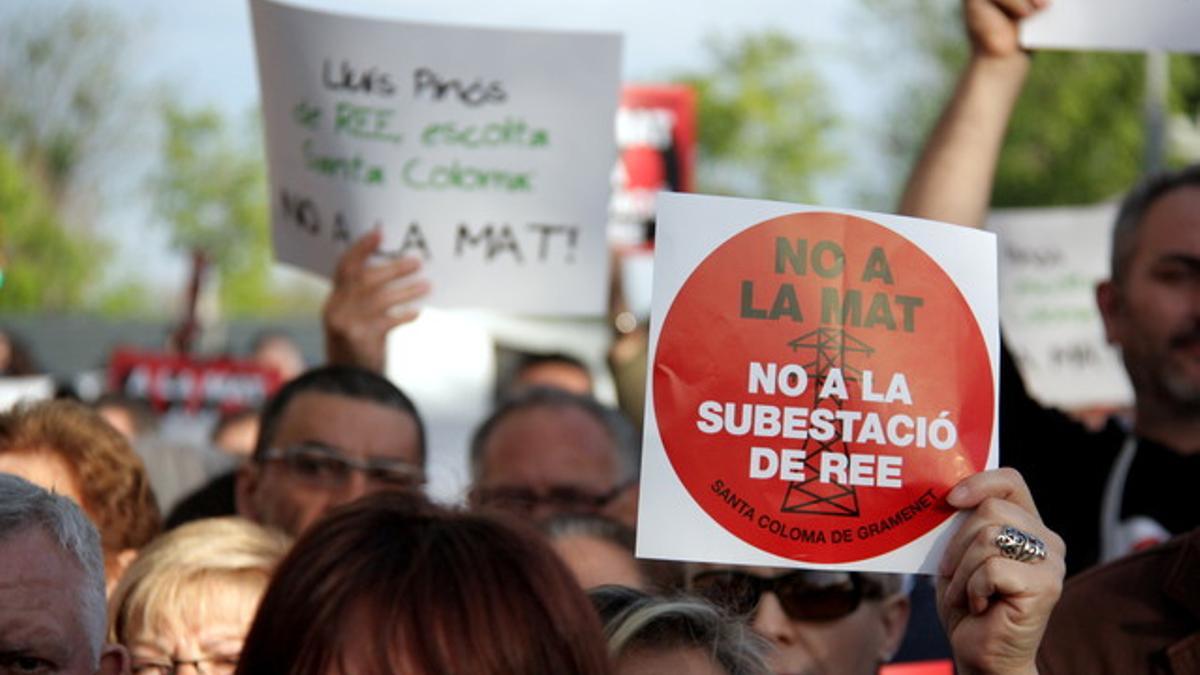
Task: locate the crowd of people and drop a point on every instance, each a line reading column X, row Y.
column 320, row 553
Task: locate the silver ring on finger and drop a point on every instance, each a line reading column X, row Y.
column 1018, row 545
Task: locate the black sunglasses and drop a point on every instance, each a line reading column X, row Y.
column 804, row 595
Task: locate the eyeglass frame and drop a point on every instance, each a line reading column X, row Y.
column 371, row 467
column 860, row 587
column 172, row 665
column 592, row 503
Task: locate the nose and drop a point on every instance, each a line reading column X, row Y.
column 357, row 485
column 772, row 622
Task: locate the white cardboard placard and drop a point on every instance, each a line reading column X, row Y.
column 1115, row 25
column 484, row 152
column 720, row 306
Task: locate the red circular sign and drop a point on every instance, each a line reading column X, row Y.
column 820, row 384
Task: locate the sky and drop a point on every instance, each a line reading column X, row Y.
column 203, row 50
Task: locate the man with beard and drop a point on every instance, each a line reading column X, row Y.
column 1120, row 489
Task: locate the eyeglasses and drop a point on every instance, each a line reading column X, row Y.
column 559, row 499
column 224, row 664
column 804, row 595
column 323, row 467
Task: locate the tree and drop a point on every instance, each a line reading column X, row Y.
column 763, row 122
column 45, row 267
column 65, row 105
column 210, row 192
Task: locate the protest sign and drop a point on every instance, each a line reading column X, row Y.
column 819, row 381
column 486, row 153
column 170, row 380
column 656, row 135
column 1115, row 25
column 1050, row 262
column 28, row 388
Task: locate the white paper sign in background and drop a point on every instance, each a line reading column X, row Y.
column 484, row 152
column 672, row 524
column 1050, row 262
column 1116, row 25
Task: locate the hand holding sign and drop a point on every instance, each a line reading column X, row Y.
column 367, row 301
column 992, row 25
column 995, row 609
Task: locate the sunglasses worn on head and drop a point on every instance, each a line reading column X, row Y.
column 804, row 595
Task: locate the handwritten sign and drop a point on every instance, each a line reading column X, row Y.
column 1115, row 25
column 820, row 381
column 1050, row 262
column 486, row 153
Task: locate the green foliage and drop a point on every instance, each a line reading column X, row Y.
column 763, row 119
column 1076, row 135
column 63, row 90
column 45, row 267
column 210, row 192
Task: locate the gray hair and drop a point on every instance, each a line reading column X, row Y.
column 24, row 505
column 620, row 431
column 655, row 623
column 1134, row 208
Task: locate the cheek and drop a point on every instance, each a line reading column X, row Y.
column 288, row 505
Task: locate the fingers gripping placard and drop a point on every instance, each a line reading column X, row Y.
column 819, row 384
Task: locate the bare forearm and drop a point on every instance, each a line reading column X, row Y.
column 952, row 179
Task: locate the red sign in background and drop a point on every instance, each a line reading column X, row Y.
column 736, row 308
column 169, row 380
column 656, row 136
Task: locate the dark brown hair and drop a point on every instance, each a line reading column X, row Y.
column 444, row 592
column 111, row 477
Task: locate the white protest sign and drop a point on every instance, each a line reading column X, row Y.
column 1050, row 262
column 14, row 390
column 484, row 152
column 1115, row 25
column 819, row 380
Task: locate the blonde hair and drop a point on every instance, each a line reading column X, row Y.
column 173, row 574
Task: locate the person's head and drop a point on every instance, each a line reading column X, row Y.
column 279, row 352
column 15, row 358
column 328, row 437
column 1151, row 305
column 816, row 621
column 236, row 433
column 69, row 449
column 51, row 586
column 648, row 635
column 191, row 594
column 553, row 371
column 131, row 417
column 392, row 584
column 597, row 550
column 546, row 451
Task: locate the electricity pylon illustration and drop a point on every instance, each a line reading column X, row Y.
column 810, row 496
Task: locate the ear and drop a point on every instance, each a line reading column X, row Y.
column 115, row 566
column 245, row 487
column 894, row 615
column 1109, row 301
column 114, row 660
